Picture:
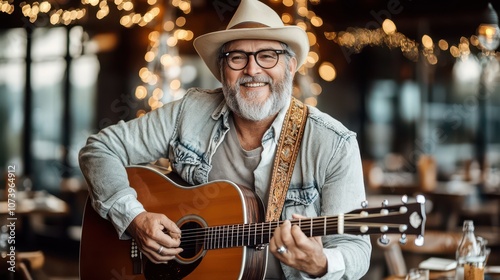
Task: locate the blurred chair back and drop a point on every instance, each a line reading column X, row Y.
column 399, row 257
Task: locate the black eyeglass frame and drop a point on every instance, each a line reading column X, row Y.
column 225, row 55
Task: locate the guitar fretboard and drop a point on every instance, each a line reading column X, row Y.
column 226, row 236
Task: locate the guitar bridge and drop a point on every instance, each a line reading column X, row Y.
column 136, row 256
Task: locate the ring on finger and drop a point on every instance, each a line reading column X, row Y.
column 159, row 250
column 281, row 250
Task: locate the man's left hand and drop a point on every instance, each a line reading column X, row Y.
column 301, row 252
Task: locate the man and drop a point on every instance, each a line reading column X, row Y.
column 232, row 133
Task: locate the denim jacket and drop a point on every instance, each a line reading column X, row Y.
column 327, row 179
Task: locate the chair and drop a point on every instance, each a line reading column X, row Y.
column 27, row 264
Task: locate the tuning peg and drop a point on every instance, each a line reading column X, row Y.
column 404, row 199
column 420, row 199
column 385, row 203
column 384, row 240
column 419, row 241
column 364, row 204
column 403, row 239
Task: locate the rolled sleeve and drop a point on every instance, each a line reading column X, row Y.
column 123, row 211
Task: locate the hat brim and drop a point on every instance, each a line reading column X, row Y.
column 208, row 45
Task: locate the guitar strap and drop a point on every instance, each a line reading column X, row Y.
column 286, row 155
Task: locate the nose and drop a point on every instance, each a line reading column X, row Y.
column 252, row 67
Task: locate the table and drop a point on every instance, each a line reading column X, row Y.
column 36, row 202
column 490, row 273
column 30, row 205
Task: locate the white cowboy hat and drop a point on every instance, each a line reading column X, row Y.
column 252, row 20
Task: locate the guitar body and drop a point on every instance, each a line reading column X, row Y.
column 104, row 256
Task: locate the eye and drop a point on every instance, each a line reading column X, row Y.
column 267, row 55
column 237, row 56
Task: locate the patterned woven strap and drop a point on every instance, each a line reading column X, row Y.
column 284, row 161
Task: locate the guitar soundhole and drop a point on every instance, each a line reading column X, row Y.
column 192, row 240
column 187, row 261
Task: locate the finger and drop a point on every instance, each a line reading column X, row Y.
column 170, row 226
column 286, row 235
column 170, row 234
column 300, row 240
column 164, row 255
column 277, row 237
column 298, row 216
column 169, row 253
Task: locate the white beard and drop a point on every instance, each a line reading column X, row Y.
column 281, row 93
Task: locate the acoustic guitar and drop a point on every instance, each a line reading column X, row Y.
column 224, row 235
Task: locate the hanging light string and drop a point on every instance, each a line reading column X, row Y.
column 34, row 10
column 161, row 82
column 299, row 12
column 356, row 39
column 6, row 6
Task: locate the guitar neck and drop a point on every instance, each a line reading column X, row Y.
column 402, row 219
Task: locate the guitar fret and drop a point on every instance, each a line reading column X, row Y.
column 311, row 228
column 221, row 237
column 242, row 238
column 232, row 235
column 205, row 238
column 255, row 236
column 225, row 234
column 214, row 234
column 212, row 242
column 207, row 243
column 269, row 233
column 237, row 235
column 324, row 225
column 249, row 241
column 214, row 239
column 248, row 235
column 262, row 234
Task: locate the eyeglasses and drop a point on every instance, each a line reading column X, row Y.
column 267, row 59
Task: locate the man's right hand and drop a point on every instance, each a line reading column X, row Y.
column 156, row 236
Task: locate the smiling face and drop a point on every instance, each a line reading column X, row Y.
column 255, row 93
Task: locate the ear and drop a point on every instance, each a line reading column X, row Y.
column 292, row 65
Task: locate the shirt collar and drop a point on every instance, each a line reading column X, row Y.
column 272, row 133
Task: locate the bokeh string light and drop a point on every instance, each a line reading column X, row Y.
column 161, row 77
column 356, row 39
column 298, row 12
column 163, row 56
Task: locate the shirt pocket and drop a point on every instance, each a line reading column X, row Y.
column 187, row 163
column 303, row 201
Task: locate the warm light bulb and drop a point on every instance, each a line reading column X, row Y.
column 489, row 36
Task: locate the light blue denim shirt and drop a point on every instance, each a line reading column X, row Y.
column 327, row 179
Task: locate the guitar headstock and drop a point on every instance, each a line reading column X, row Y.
column 404, row 219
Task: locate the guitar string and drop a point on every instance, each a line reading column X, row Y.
column 259, row 227
column 318, row 220
column 303, row 222
column 223, row 235
column 217, row 242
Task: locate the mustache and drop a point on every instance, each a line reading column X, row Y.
column 254, row 79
